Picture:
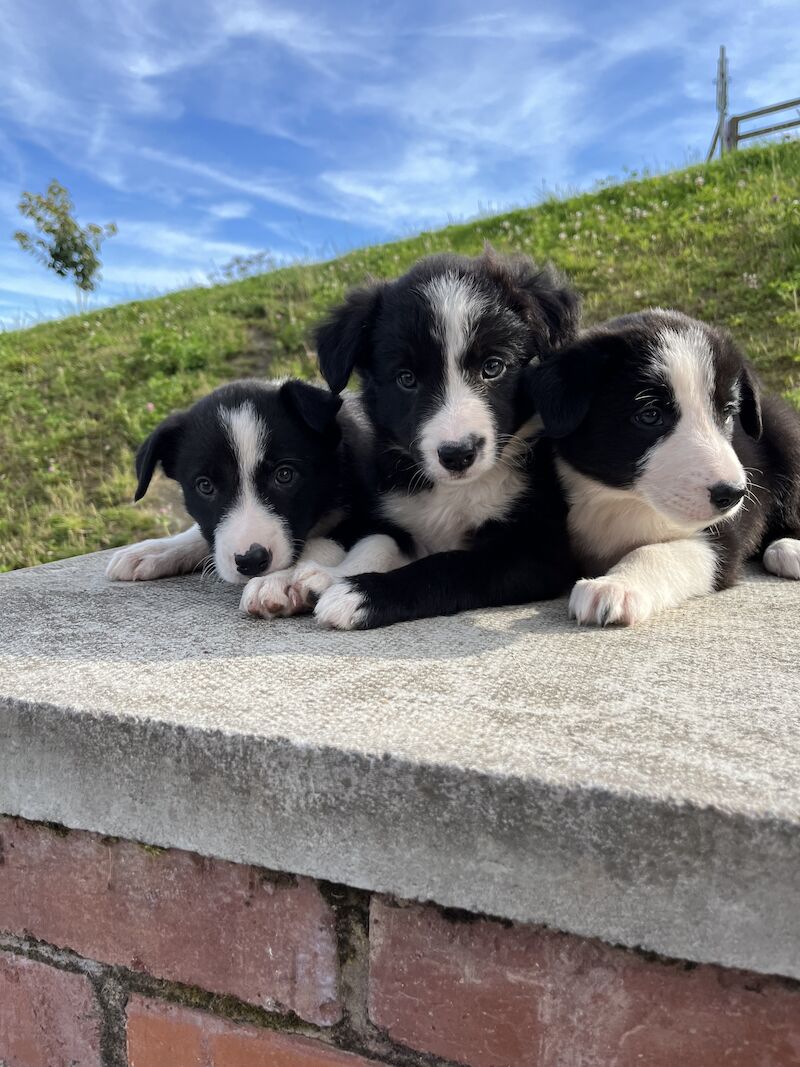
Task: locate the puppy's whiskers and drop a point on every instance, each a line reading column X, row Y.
column 209, row 570
column 417, row 480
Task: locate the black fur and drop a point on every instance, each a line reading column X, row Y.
column 524, row 558
column 587, row 396
column 386, row 331
column 307, row 431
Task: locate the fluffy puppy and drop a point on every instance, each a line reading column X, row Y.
column 460, row 498
column 674, row 466
column 266, row 470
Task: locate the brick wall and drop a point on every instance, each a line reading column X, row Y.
column 115, row 954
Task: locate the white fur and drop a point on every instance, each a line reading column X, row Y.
column 669, row 500
column 646, row 581
column 276, row 594
column 159, row 557
column 248, row 436
column 270, row 595
column 456, row 305
column 250, row 520
column 782, row 557
column 679, row 470
column 650, row 535
column 441, row 519
column 606, row 523
column 378, row 552
column 340, row 607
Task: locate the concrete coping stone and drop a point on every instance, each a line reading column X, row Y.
column 637, row 785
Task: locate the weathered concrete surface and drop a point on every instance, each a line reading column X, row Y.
column 636, row 785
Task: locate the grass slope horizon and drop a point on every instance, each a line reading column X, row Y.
column 720, row 241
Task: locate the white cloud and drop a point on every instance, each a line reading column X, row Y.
column 260, row 188
column 158, row 279
column 504, row 26
column 301, row 32
column 16, row 279
column 395, row 123
column 426, row 183
column 230, row 209
column 185, row 246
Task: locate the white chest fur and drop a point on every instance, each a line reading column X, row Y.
column 443, row 518
column 605, row 523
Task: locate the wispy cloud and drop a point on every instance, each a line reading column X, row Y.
column 302, row 32
column 14, row 280
column 170, row 243
column 153, row 279
column 200, row 124
column 230, row 209
column 273, row 191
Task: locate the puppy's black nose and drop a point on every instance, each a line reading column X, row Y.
column 459, row 455
column 724, row 495
column 254, row 561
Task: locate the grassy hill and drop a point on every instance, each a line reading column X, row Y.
column 76, row 397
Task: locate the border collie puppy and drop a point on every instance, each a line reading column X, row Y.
column 674, row 468
column 463, row 508
column 266, row 472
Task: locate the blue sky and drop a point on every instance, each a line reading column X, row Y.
column 212, row 128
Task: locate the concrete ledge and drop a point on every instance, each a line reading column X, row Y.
column 639, row 785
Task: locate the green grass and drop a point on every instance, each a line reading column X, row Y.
column 77, row 396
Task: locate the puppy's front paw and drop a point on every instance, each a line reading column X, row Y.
column 310, row 581
column 271, row 596
column 342, row 607
column 144, row 562
column 607, row 600
column 783, row 558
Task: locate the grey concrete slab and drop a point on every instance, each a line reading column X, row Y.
column 637, row 785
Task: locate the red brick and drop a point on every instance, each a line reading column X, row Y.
column 48, row 1018
column 225, row 927
column 161, row 1034
column 490, row 995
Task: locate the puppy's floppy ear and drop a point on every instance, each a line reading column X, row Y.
column 749, row 385
column 541, row 295
column 160, row 447
column 562, row 387
column 560, row 306
column 343, row 339
column 316, row 407
column 750, row 408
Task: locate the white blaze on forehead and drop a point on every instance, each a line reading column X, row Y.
column 251, row 521
column 456, row 305
column 685, row 360
column 678, row 472
column 248, row 437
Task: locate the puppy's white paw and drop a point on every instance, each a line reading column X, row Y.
column 145, row 561
column 272, row 595
column 606, row 600
column 783, row 558
column 341, row 607
column 310, row 581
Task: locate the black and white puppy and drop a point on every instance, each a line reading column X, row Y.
column 674, row 467
column 462, row 507
column 266, row 471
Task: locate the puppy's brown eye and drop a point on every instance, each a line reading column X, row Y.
column 649, row 417
column 406, row 379
column 492, row 368
column 284, row 475
column 204, row 486
column 729, row 411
